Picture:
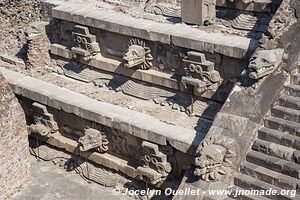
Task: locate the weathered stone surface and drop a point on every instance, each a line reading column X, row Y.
column 279, row 137
column 241, row 102
column 293, row 90
column 199, row 12
column 14, row 163
column 52, row 181
column 245, row 181
column 103, row 159
column 276, row 164
column 273, row 149
column 14, row 17
column 270, row 176
column 240, row 118
column 282, row 125
column 110, row 65
column 290, row 102
column 258, row 5
column 296, row 79
column 286, row 113
column 148, row 76
column 179, row 35
column 38, row 46
column 185, row 140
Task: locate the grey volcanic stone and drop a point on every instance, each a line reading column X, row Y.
column 129, row 121
column 179, row 35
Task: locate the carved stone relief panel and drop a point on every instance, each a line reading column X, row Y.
column 138, row 55
column 85, row 44
column 44, row 122
column 169, row 59
column 125, row 145
column 200, row 73
column 141, row 54
column 215, row 158
column 155, row 167
column 65, row 33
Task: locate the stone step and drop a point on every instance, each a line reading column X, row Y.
column 235, row 195
column 249, row 183
column 188, row 37
column 293, row 90
column 273, row 163
column 276, row 150
column 286, row 113
column 271, row 177
column 290, row 102
column 282, row 125
column 296, row 79
column 130, row 121
column 279, row 137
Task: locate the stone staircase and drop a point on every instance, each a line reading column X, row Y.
column 274, row 160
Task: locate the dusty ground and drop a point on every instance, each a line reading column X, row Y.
column 50, row 182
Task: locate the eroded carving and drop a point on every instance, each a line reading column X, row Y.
column 264, row 62
column 215, row 158
column 90, row 171
column 99, row 174
column 169, row 59
column 93, row 139
column 201, row 74
column 251, row 23
column 283, row 19
column 38, row 46
column 85, row 43
column 204, row 108
column 156, row 168
column 36, row 29
column 138, row 55
column 125, row 144
column 163, row 8
column 144, row 91
column 44, row 123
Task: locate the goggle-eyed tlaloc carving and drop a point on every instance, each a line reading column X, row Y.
column 200, row 72
column 156, row 168
column 85, row 43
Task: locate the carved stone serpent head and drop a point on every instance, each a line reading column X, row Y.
column 138, row 55
column 214, row 158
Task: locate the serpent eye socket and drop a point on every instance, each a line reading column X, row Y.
column 264, row 60
column 209, row 158
column 134, row 53
column 253, row 58
column 147, row 158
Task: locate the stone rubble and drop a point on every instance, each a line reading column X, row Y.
column 14, row 154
